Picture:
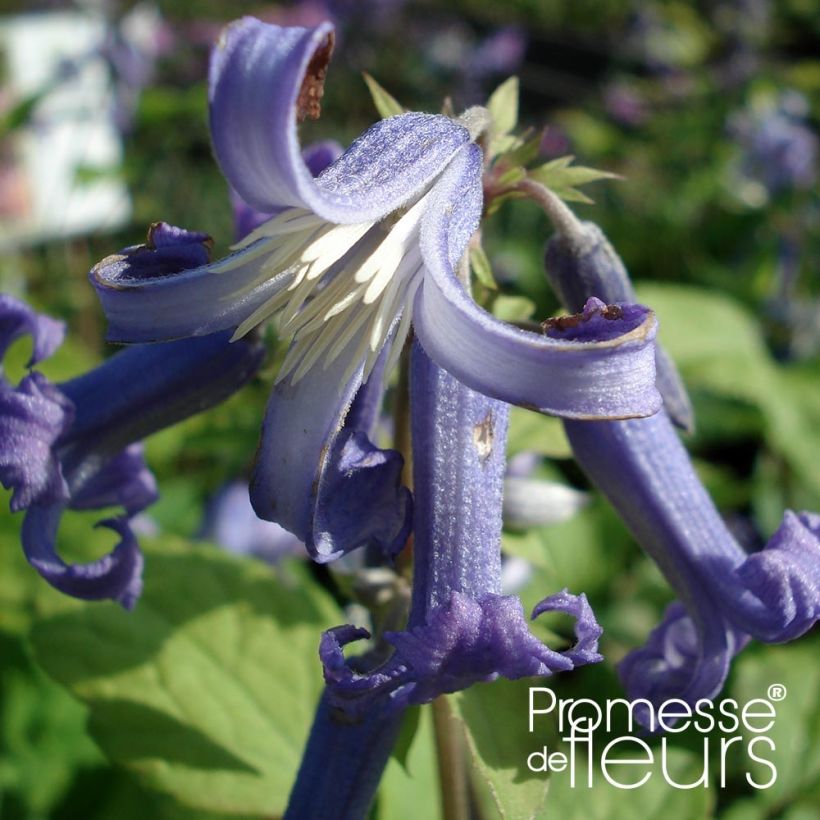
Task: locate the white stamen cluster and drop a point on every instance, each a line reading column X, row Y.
column 322, row 307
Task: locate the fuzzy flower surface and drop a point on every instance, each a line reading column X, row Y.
column 350, row 261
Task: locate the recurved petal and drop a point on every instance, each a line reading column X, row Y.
column 785, row 579
column 598, row 365
column 33, row 417
column 124, row 481
column 322, row 479
column 116, row 576
column 586, row 265
column 165, row 290
column 317, row 157
column 681, row 659
column 463, row 641
column 263, row 80
column 18, row 319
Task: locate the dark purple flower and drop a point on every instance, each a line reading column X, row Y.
column 357, row 254
column 343, row 763
column 461, row 629
column 75, row 445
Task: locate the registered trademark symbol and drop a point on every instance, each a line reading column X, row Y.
column 777, row 692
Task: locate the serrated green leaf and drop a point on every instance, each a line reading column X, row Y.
column 386, row 104
column 513, row 308
column 511, row 176
column 525, row 151
column 481, row 267
column 503, row 106
column 572, row 195
column 561, row 177
column 207, row 689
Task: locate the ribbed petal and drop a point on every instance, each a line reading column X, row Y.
column 166, row 290
column 461, row 630
column 18, row 319
column 317, row 157
column 116, row 576
column 785, row 578
column 33, row 417
column 583, row 266
column 263, row 80
column 464, row 641
column 146, row 388
column 605, row 369
column 323, row 479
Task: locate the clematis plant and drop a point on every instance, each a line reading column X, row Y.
column 76, row 444
column 726, row 595
column 350, row 261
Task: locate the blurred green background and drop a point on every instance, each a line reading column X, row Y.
column 710, row 113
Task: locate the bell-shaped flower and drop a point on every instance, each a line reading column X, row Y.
column 726, row 594
column 350, row 260
column 461, row 628
column 75, row 444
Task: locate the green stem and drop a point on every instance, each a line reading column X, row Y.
column 452, row 762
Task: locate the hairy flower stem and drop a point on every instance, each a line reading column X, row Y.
column 452, row 761
column 563, row 219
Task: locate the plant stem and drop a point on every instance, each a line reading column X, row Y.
column 452, row 763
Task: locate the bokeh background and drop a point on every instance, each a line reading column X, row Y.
column 709, row 112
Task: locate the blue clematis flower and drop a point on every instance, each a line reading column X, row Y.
column 75, row 445
column 726, row 594
column 350, row 260
column 461, row 628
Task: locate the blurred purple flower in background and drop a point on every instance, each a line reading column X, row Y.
column 779, row 150
column 231, row 523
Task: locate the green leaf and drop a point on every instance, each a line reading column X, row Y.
column 43, row 742
column 503, row 107
column 797, row 753
column 412, row 791
column 386, row 104
column 207, row 689
column 409, row 728
column 481, row 267
column 727, row 356
column 495, row 720
column 513, row 308
column 562, row 178
column 655, row 800
column 540, row 434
